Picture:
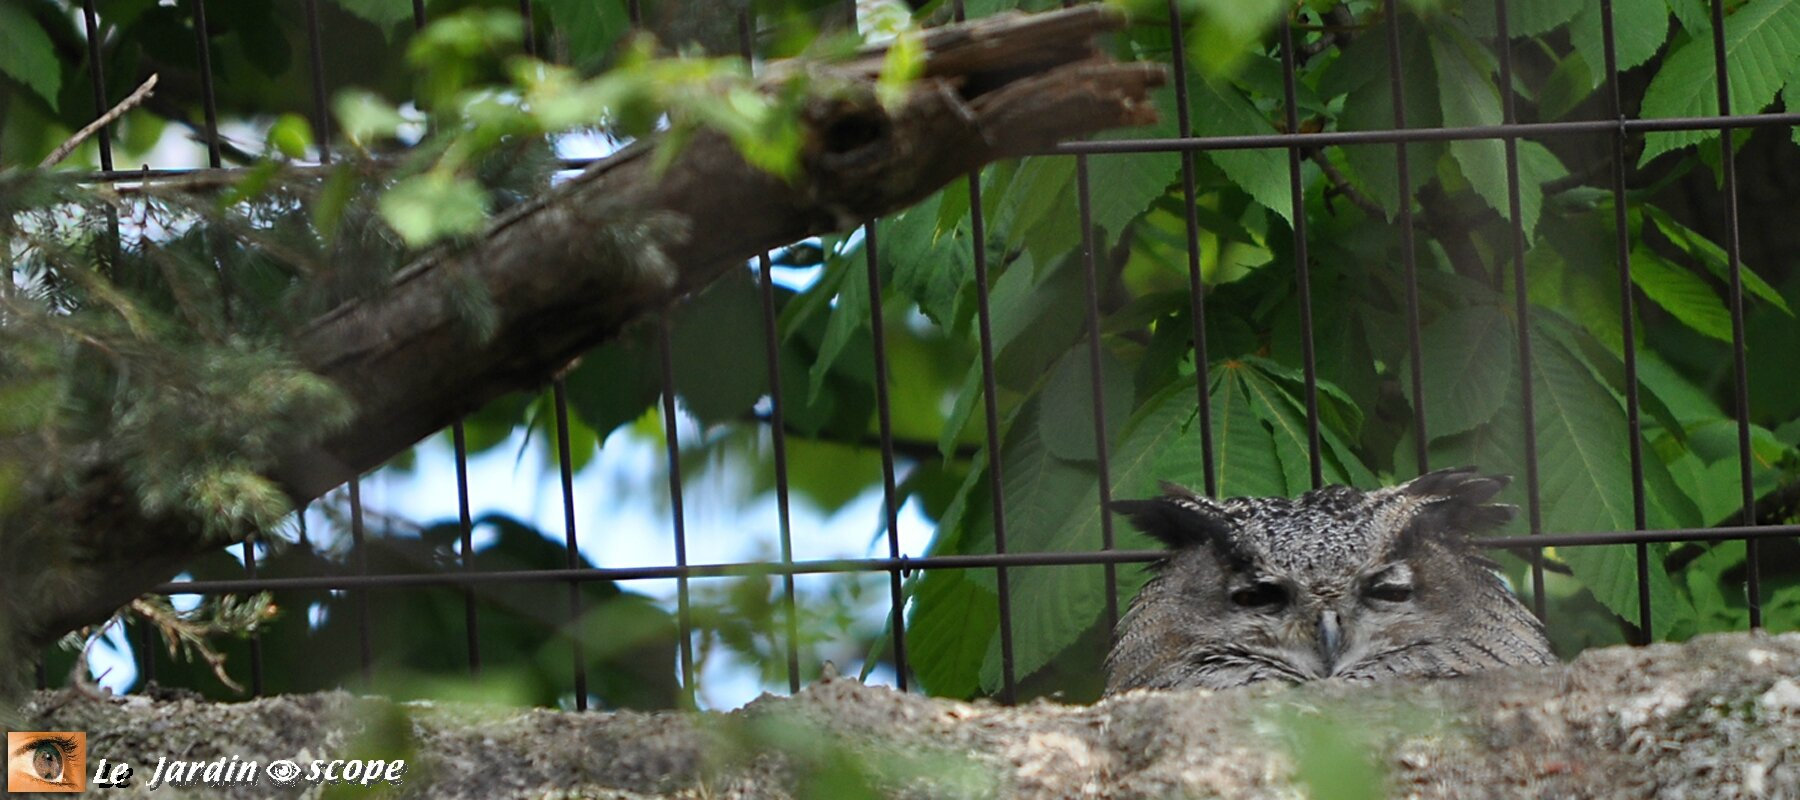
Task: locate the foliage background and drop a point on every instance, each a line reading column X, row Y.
column 472, row 106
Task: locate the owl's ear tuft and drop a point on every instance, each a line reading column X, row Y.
column 1456, row 502
column 1180, row 518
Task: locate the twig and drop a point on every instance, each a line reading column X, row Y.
column 1775, row 508
column 63, row 150
column 1341, row 184
column 914, row 449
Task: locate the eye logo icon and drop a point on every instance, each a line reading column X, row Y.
column 283, row 772
column 46, row 761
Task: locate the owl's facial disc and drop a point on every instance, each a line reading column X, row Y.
column 1327, row 626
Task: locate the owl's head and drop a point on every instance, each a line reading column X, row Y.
column 1337, row 583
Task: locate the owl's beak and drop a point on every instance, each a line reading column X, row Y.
column 1330, row 638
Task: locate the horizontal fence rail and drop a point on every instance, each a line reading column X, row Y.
column 901, row 564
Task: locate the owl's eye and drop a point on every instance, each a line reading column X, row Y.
column 1390, row 592
column 1264, row 595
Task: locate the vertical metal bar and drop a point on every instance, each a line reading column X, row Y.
column 1627, row 323
column 777, row 421
column 890, row 504
column 1403, row 173
column 1740, row 369
column 315, row 59
column 360, row 549
column 300, row 517
column 778, row 436
column 97, row 71
column 673, row 440
column 207, row 97
column 1521, row 308
column 461, row 443
column 530, row 26
column 43, row 679
column 147, row 642
column 571, row 543
column 256, row 654
column 1090, row 274
column 418, row 14
column 991, row 411
column 1302, row 269
column 1184, row 126
column 1009, row 693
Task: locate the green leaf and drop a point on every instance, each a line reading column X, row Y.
column 1790, row 99
column 904, row 63
column 1067, row 421
column 948, row 631
column 828, row 474
column 1639, row 28
column 616, row 382
column 1470, row 98
column 365, row 117
column 1695, row 16
column 435, row 205
column 1761, row 40
column 721, row 364
column 1036, row 318
column 1713, row 487
column 958, row 421
column 1523, row 17
column 1687, row 401
column 1124, row 186
column 931, row 264
column 1584, row 478
column 291, row 135
column 1051, row 505
column 1713, row 257
column 1361, row 73
column 1470, row 368
column 849, row 318
column 591, row 29
column 1608, row 367
column 1039, row 205
column 1276, row 398
column 1039, row 208
column 1273, row 408
column 383, row 14
column 1221, row 33
column 1681, row 293
column 1717, row 440
column 1221, row 110
column 1244, row 457
column 954, row 619
column 28, row 55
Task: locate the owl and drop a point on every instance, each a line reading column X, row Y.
column 1340, row 583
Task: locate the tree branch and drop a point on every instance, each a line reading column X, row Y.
column 112, row 115
column 618, row 242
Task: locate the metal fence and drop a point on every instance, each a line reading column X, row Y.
column 1616, row 128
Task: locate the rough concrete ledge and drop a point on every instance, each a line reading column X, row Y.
column 1717, row 717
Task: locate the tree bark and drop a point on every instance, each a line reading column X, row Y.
column 1716, row 717
column 620, row 241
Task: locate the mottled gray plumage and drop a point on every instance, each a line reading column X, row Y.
column 1337, row 583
